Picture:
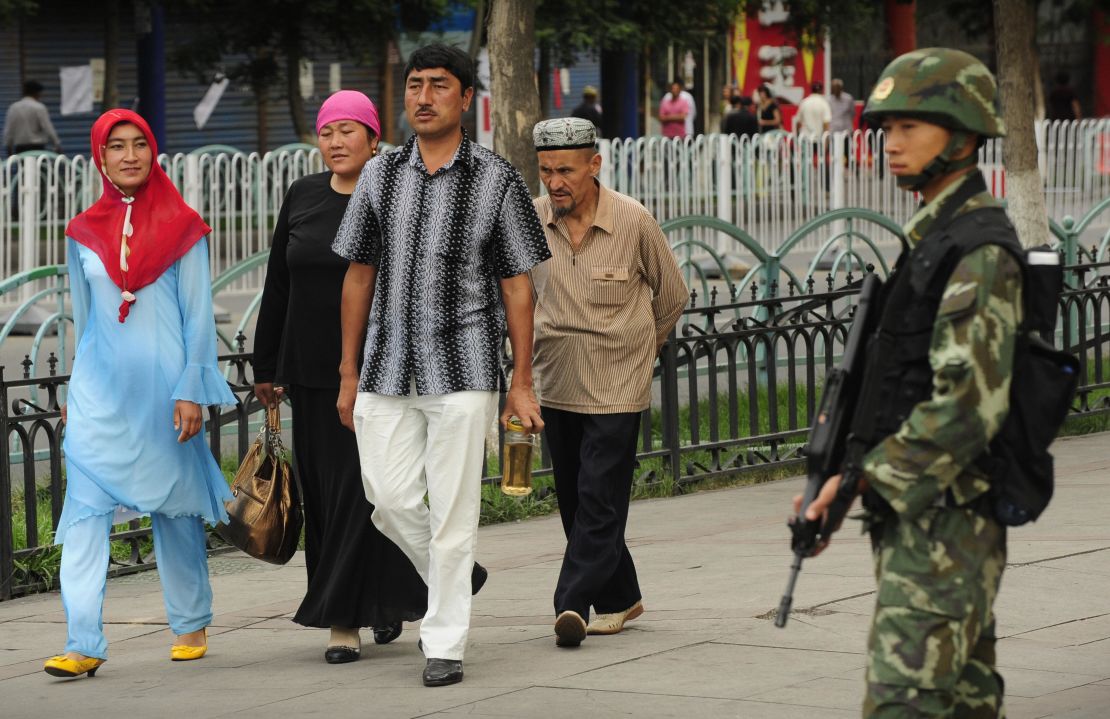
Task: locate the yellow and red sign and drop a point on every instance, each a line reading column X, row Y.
column 766, row 51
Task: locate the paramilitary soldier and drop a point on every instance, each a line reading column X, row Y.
column 936, row 391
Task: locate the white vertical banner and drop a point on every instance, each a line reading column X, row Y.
column 97, row 65
column 308, row 84
column 77, row 89
column 335, row 78
column 208, row 103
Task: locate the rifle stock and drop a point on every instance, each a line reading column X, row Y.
column 831, row 448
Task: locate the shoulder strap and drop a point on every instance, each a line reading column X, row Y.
column 995, row 229
column 972, row 186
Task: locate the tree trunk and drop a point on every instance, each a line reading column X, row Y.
column 111, row 54
column 386, row 116
column 293, row 59
column 543, row 81
column 516, row 101
column 261, row 112
column 476, row 36
column 1015, row 30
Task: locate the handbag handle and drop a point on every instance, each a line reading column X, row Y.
column 272, row 431
column 273, row 418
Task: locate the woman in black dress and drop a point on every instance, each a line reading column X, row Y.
column 770, row 116
column 356, row 577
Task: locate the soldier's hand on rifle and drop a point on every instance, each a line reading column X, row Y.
column 818, row 508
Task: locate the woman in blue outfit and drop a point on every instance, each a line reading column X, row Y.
column 144, row 368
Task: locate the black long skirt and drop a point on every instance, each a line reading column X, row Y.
column 356, row 576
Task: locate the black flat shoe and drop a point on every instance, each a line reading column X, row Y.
column 441, row 672
column 341, row 655
column 478, row 577
column 386, row 634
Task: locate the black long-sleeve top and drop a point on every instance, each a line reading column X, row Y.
column 297, row 336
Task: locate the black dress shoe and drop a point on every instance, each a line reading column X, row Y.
column 441, row 672
column 341, row 655
column 478, row 577
column 386, row 634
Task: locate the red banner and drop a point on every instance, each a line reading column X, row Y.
column 765, row 51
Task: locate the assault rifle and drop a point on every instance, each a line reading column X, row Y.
column 832, row 449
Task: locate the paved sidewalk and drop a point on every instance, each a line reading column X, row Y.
column 712, row 565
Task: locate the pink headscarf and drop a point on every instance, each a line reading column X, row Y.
column 349, row 105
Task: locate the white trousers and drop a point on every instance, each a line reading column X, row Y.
column 435, row 445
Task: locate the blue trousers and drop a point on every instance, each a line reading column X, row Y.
column 179, row 544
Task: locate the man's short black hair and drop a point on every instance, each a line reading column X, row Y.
column 450, row 58
column 32, row 88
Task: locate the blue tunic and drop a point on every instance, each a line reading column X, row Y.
column 120, row 444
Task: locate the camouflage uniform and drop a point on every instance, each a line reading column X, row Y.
column 938, row 562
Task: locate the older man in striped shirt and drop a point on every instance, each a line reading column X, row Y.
column 605, row 302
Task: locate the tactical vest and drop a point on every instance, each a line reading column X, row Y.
column 898, row 374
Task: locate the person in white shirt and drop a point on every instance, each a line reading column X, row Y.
column 814, row 114
column 843, row 108
column 27, row 125
column 693, row 114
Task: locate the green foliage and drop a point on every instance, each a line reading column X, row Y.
column 498, row 507
column 42, row 565
column 653, row 477
column 1099, row 398
column 844, row 19
column 11, row 10
column 565, row 27
column 977, row 17
column 261, row 34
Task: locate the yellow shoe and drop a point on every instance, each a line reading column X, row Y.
column 186, row 653
column 63, row 666
column 613, row 623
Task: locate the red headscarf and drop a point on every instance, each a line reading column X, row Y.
column 159, row 227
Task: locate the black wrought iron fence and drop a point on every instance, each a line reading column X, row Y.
column 32, row 478
column 735, row 389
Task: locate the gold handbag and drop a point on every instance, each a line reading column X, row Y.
column 264, row 515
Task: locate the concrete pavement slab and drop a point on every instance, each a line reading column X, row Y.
column 552, row 703
column 712, row 566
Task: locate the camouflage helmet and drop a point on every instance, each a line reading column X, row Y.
column 946, row 87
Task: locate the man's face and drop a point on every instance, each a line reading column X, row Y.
column 568, row 176
column 912, row 143
column 676, row 89
column 435, row 101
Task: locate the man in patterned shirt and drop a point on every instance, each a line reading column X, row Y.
column 938, row 375
column 440, row 234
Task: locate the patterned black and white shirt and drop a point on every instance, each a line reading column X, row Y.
column 440, row 242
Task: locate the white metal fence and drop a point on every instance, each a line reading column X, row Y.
column 238, row 194
column 771, row 185
column 768, row 185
